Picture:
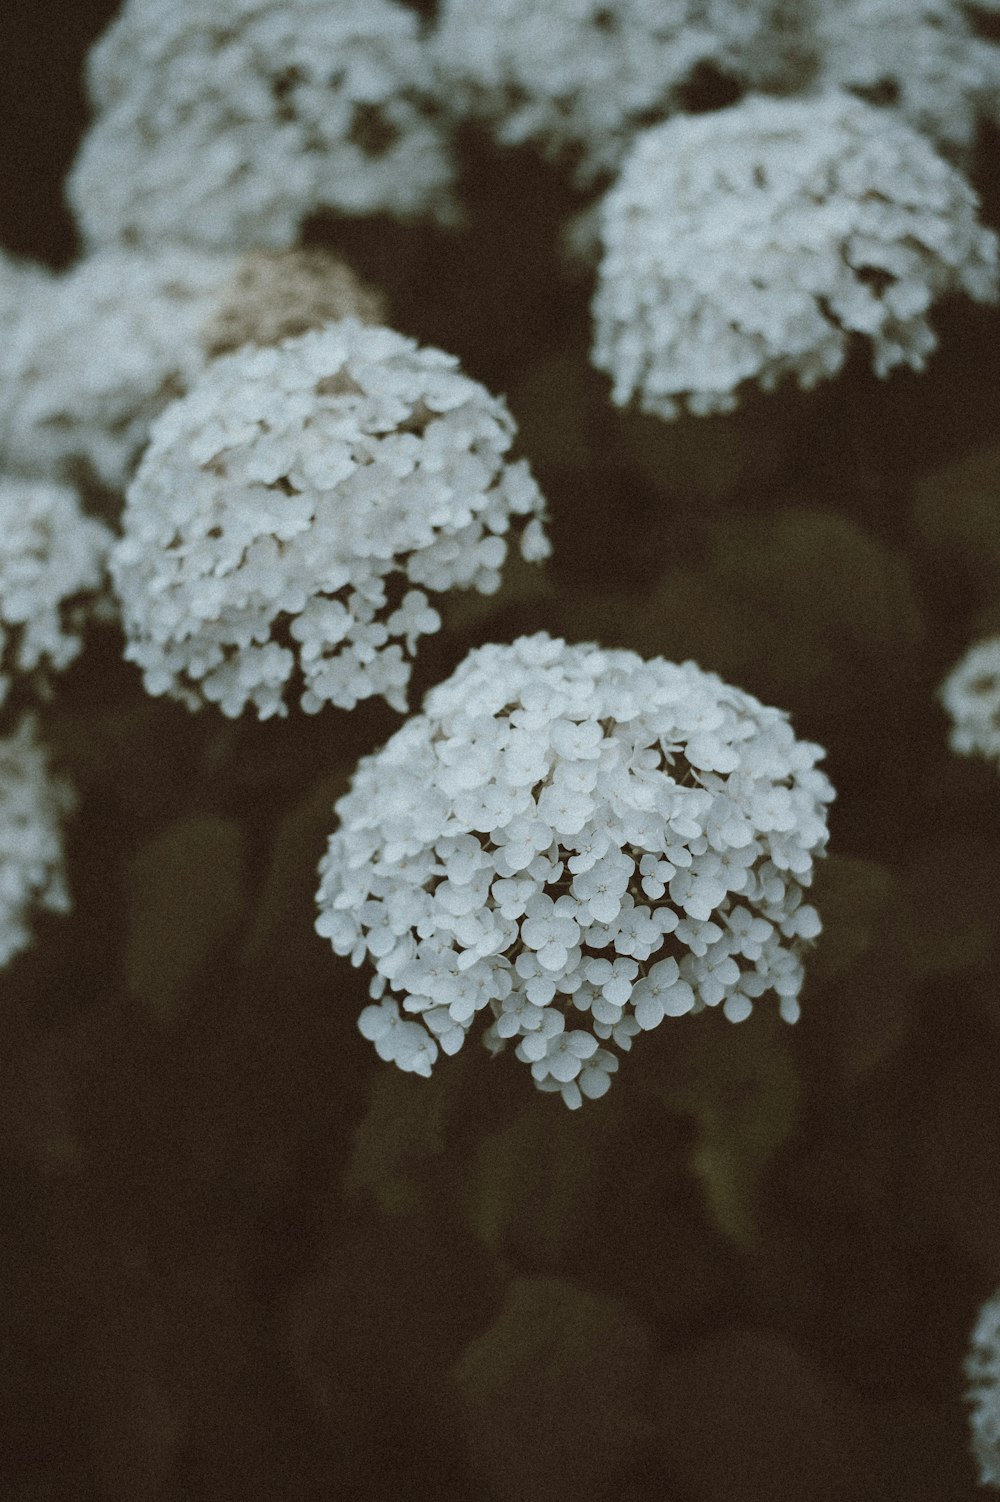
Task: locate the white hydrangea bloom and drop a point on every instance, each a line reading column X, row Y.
column 580, row 76
column 33, row 804
column 575, row 843
column 292, row 510
column 89, row 358
column 919, row 57
column 750, row 244
column 228, row 124
column 52, row 557
column 982, row 1367
column 971, row 697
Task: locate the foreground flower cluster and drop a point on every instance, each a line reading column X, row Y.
column 287, row 490
column 577, row 844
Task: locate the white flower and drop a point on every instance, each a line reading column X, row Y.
column 589, row 924
column 90, row 357
column 33, row 804
column 919, row 57
column 751, row 244
column 982, row 1367
column 52, row 564
column 971, row 696
column 227, row 124
column 285, row 496
column 579, row 76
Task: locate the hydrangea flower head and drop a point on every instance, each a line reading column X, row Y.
column 580, row 76
column 918, row 57
column 227, row 124
column 52, row 557
column 982, row 1367
column 292, row 511
column 752, row 244
column 971, row 697
column 33, row 804
column 90, row 357
column 574, row 843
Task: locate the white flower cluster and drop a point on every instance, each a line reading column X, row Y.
column 751, row 244
column 89, row 358
column 32, row 806
column 982, row 1367
column 283, row 500
column 971, row 696
column 227, row 124
column 918, row 57
column 577, row 843
column 580, row 76
column 52, row 557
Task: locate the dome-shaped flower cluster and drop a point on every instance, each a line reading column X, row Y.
column 33, row 804
column 227, row 124
column 89, row 358
column 580, row 76
column 292, row 510
column 750, row 244
column 576, row 843
column 52, row 558
column 971, row 697
column 918, row 57
column 982, row 1368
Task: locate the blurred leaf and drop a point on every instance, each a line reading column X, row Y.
column 287, row 898
column 530, row 1184
column 853, row 896
column 185, row 891
column 958, row 510
column 557, row 1393
column 401, row 1131
column 740, row 1085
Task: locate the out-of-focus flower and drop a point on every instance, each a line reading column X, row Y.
column 90, row 357
column 918, row 57
column 227, row 124
column 751, row 244
column 292, row 510
column 52, row 563
column 33, row 804
column 982, row 1367
column 579, row 77
column 575, row 843
column 971, row 696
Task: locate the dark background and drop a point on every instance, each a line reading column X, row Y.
column 240, row 1258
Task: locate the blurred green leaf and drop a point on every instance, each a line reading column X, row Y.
column 740, row 1085
column 557, row 1392
column 529, row 1185
column 185, row 892
column 403, row 1128
column 958, row 510
column 853, row 897
column 287, row 899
